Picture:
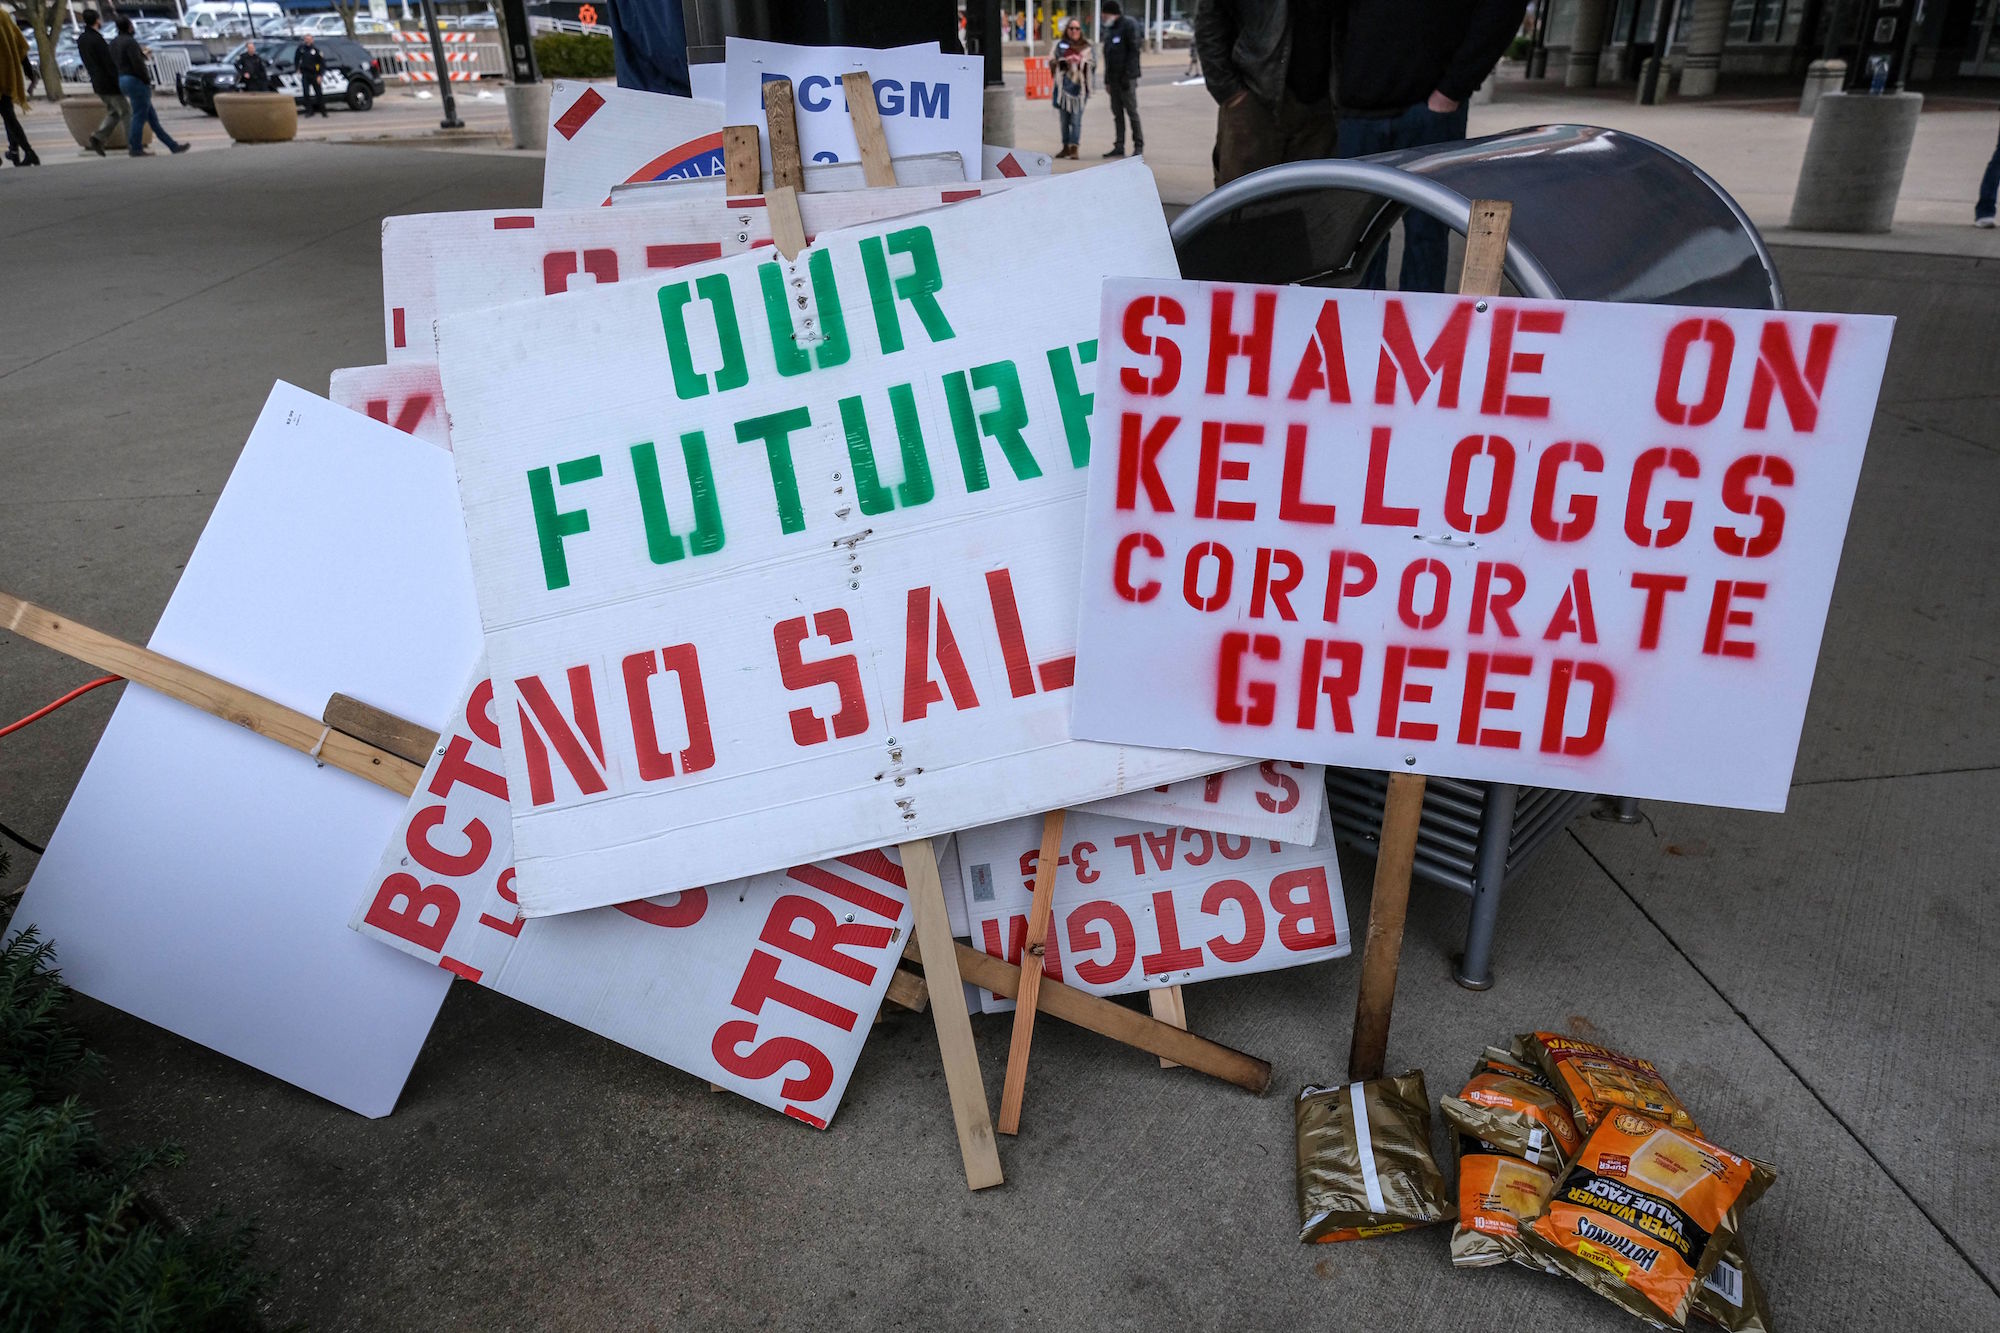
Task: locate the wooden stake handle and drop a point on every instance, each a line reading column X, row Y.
column 1402, row 811
column 962, row 1079
column 1032, row 949
column 743, row 172
column 210, row 694
column 781, row 125
column 1170, row 1007
column 876, row 168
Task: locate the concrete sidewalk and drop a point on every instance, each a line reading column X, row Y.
column 1817, row 985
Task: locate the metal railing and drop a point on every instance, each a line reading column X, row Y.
column 165, row 67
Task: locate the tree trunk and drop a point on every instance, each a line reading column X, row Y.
column 47, row 21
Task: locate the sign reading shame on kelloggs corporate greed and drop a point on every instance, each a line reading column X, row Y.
column 778, row 561
column 1575, row 545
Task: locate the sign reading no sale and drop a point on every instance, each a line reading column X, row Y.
column 1567, row 544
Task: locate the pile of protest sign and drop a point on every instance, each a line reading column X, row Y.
column 754, row 591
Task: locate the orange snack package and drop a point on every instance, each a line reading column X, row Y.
column 1497, row 1195
column 1595, row 1079
column 1512, row 1107
column 1645, row 1214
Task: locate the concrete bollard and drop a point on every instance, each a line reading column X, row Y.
column 1854, row 162
column 999, row 109
column 1822, row 77
column 528, row 114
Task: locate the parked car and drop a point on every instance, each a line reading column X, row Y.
column 352, row 75
column 70, row 65
column 486, row 19
column 329, row 25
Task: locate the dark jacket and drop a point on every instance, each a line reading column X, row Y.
column 1395, row 53
column 308, row 63
column 130, row 58
column 95, row 53
column 1121, row 43
column 256, row 75
column 1245, row 45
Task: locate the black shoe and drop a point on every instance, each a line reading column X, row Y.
column 1116, row 152
column 178, row 148
column 33, row 159
column 1138, row 150
column 14, row 157
column 95, row 147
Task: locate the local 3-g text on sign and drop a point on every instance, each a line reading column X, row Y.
column 1579, row 545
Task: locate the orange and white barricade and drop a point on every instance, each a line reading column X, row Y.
column 420, row 62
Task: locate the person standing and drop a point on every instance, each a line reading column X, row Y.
column 1071, row 67
column 1269, row 66
column 1989, row 187
column 137, row 84
column 14, row 91
column 1123, row 46
column 310, row 66
column 1407, row 69
column 95, row 53
column 252, row 74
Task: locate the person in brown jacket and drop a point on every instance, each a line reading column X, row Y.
column 14, row 91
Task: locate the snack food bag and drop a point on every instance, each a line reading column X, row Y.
column 1595, row 1079
column 1497, row 1194
column 1645, row 1213
column 1364, row 1160
column 1514, row 1109
column 1731, row 1297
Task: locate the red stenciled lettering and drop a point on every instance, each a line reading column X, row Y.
column 1397, row 662
column 1161, row 845
column 843, row 672
column 479, row 844
column 1225, row 344
column 420, row 913
column 823, row 939
column 1232, row 848
column 771, row 1057
column 1304, row 905
column 681, row 662
column 1056, row 673
column 585, row 768
column 919, row 690
column 863, row 897
column 1574, row 614
column 559, row 267
column 1117, row 933
column 1332, row 667
column 1501, row 603
column 1173, row 956
column 1720, row 341
column 1214, row 469
column 1139, row 461
column 1231, row 689
column 1504, row 362
column 479, row 714
column 1499, row 488
column 1323, row 363
column 1562, row 675
column 1769, row 512
column 504, row 886
column 456, row 766
column 1582, row 515
column 687, row 907
column 1375, row 510
column 1440, row 590
column 1169, row 312
column 1339, row 586
column 1225, row 574
column 1778, row 368
column 1279, row 589
column 1291, row 506
column 1275, row 776
column 1445, row 359
column 1478, row 698
column 1675, row 515
column 1235, row 891
column 1722, row 615
column 760, row 983
column 1121, row 567
column 1656, row 587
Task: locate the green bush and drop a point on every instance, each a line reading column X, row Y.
column 80, row 1246
column 573, row 55
column 1519, row 48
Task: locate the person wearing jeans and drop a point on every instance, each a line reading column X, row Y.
column 1122, row 44
column 95, row 53
column 137, row 85
column 1070, row 66
column 1989, row 186
column 1269, row 66
column 1407, row 69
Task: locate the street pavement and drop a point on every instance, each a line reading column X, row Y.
column 1817, row 985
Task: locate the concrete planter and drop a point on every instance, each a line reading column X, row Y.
column 528, row 115
column 1855, row 156
column 82, row 115
column 258, row 117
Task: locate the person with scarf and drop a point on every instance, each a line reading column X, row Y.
column 14, row 90
column 1070, row 65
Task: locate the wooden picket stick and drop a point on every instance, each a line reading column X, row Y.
column 743, row 172
column 1032, row 950
column 876, row 168
column 963, row 1081
column 1403, row 807
column 210, row 694
column 1169, row 1006
column 781, row 126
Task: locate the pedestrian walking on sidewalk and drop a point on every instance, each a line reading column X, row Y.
column 1122, row 48
column 1269, row 66
column 14, row 91
column 137, row 85
column 1989, row 186
column 1407, row 69
column 1071, row 66
column 310, row 66
column 95, row 53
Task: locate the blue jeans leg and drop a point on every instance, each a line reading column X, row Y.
column 1426, row 241
column 140, row 94
column 1072, row 125
column 1989, row 186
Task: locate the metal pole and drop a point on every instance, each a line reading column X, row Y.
column 1653, row 76
column 451, row 120
column 520, row 38
column 1489, row 876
